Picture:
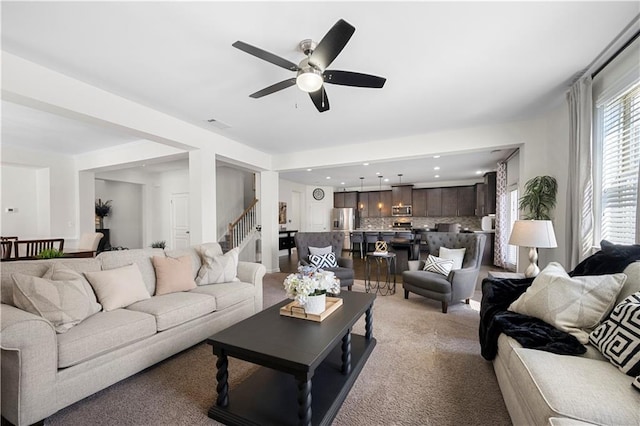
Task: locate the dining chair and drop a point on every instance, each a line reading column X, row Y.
column 90, row 240
column 5, row 249
column 29, row 249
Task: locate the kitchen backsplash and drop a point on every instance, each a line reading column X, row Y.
column 470, row 222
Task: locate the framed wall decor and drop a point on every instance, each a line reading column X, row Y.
column 282, row 213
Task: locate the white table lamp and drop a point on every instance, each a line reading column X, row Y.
column 533, row 234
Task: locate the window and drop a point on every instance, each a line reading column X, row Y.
column 617, row 183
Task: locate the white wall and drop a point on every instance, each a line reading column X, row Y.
column 23, row 222
column 125, row 220
column 231, row 190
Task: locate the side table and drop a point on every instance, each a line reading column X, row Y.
column 386, row 261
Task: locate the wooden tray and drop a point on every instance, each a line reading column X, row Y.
column 294, row 310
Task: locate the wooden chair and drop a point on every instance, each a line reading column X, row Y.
column 29, row 249
column 5, row 249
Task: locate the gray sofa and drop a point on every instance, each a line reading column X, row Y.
column 460, row 284
column 43, row 372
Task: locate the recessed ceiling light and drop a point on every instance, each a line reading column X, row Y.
column 436, row 176
column 386, row 180
column 341, row 183
column 309, row 170
column 328, row 177
column 365, row 164
column 478, row 172
column 436, row 168
column 377, row 173
column 436, row 156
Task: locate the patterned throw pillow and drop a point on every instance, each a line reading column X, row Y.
column 324, row 260
column 618, row 338
column 636, row 383
column 575, row 305
column 438, row 265
column 217, row 268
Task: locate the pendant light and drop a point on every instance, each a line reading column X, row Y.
column 400, row 183
column 380, row 195
column 361, row 182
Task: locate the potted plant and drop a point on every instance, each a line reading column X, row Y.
column 103, row 209
column 539, row 198
column 158, row 244
column 50, row 254
column 309, row 288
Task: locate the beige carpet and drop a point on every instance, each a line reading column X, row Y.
column 425, row 370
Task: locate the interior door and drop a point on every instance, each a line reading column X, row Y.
column 180, row 220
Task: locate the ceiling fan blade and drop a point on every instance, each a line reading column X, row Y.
column 331, row 44
column 320, row 100
column 274, row 88
column 348, row 78
column 266, row 56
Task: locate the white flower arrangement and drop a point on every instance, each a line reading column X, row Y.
column 310, row 281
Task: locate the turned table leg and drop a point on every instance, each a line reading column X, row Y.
column 346, row 353
column 368, row 323
column 222, row 376
column 304, row 401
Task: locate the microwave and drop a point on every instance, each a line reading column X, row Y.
column 401, row 211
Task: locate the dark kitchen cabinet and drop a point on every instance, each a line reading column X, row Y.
column 345, row 199
column 480, row 187
column 490, row 193
column 458, row 201
column 434, row 202
column 385, row 199
column 402, row 195
column 419, row 203
column 374, row 201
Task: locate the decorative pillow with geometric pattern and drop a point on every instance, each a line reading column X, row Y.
column 438, row 265
column 636, row 383
column 321, row 261
column 618, row 338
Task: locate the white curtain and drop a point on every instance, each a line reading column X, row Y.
column 502, row 218
column 579, row 230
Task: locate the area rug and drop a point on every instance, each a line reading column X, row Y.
column 425, row 370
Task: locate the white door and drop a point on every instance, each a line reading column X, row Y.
column 180, row 220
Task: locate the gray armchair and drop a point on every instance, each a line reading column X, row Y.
column 460, row 284
column 344, row 271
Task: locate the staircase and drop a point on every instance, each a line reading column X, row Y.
column 241, row 228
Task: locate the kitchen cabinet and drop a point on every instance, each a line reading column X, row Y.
column 386, row 198
column 458, row 201
column 401, row 195
column 363, row 204
column 345, row 199
column 374, row 200
column 480, row 188
column 419, row 203
column 434, row 202
column 490, row 193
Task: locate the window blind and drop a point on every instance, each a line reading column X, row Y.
column 620, row 161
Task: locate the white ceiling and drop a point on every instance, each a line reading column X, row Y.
column 448, row 65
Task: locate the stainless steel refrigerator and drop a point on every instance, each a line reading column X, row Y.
column 343, row 220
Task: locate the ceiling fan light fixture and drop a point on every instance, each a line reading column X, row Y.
column 309, row 79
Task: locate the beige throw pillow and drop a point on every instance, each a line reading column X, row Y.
column 64, row 303
column 173, row 275
column 632, row 284
column 120, row 287
column 575, row 305
column 457, row 255
column 60, row 272
column 217, row 268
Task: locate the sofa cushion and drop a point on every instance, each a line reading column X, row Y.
column 173, row 274
column 575, row 387
column 575, row 305
column 102, row 333
column 117, row 288
column 618, row 338
column 58, row 271
column 64, row 303
column 38, row 268
column 217, row 268
column 437, row 282
column 228, row 294
column 170, row 310
column 141, row 257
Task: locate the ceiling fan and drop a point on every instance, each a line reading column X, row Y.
column 312, row 71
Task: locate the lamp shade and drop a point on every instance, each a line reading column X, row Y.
column 533, row 233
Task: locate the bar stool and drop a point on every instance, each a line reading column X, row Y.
column 358, row 238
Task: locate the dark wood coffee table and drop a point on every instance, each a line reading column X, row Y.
column 285, row 346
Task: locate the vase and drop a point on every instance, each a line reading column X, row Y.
column 316, row 304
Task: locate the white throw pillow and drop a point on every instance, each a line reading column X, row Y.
column 320, row 250
column 64, row 303
column 438, row 265
column 457, row 255
column 574, row 305
column 217, row 269
column 118, row 288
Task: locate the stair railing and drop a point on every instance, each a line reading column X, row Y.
column 243, row 226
